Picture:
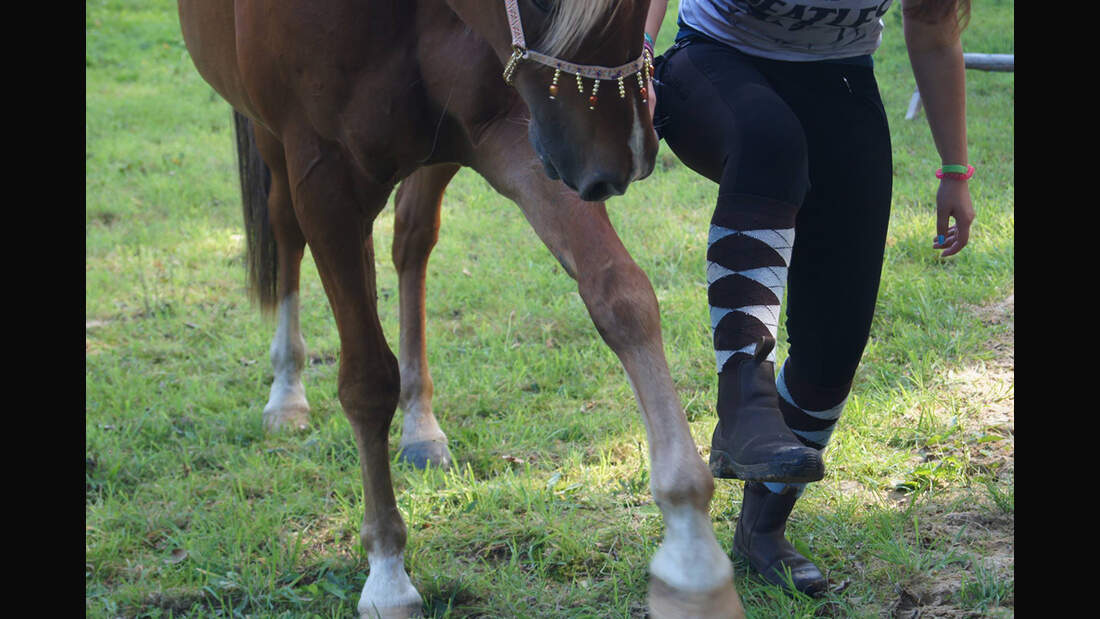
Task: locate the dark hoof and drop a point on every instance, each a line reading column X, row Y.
column 425, row 453
column 792, row 466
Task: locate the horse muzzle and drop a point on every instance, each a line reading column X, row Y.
column 592, row 183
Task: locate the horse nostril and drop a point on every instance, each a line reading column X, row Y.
column 602, row 187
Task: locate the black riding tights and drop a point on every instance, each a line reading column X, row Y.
column 791, row 145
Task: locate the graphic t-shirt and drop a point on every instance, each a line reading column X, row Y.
column 801, row 30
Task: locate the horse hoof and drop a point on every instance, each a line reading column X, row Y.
column 668, row 603
column 425, row 453
column 292, row 419
column 392, row 612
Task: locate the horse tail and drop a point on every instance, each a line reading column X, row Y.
column 255, row 176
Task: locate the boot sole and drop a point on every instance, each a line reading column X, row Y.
column 805, row 468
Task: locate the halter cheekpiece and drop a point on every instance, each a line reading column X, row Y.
column 642, row 67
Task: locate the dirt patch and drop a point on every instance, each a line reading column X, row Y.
column 989, row 388
column 1000, row 313
column 975, row 537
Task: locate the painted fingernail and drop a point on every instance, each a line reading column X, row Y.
column 940, row 239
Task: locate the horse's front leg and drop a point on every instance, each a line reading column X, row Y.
column 690, row 575
column 415, row 232
column 336, row 207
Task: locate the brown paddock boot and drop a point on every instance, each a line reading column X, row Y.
column 760, row 539
column 751, row 440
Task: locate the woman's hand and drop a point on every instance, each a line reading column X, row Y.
column 935, row 52
column 953, row 202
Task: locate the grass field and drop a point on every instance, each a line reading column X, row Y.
column 191, row 510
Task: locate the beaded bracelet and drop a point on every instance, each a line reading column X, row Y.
column 648, row 43
column 956, row 172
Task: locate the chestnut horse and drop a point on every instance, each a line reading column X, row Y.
column 339, row 101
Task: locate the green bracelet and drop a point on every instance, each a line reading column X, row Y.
column 648, row 39
column 955, row 169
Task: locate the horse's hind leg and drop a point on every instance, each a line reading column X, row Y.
column 415, row 231
column 690, row 575
column 336, row 208
column 286, row 407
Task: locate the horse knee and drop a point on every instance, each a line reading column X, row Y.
column 622, row 304
column 369, row 393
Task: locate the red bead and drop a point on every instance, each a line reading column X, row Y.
column 644, row 93
column 592, row 101
column 553, row 90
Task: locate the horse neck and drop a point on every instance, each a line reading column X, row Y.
column 461, row 74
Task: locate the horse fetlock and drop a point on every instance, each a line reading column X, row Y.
column 417, row 389
column 419, row 423
column 288, row 354
column 685, row 482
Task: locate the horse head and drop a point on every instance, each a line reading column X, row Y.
column 579, row 67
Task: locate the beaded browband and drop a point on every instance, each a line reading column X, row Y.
column 642, row 67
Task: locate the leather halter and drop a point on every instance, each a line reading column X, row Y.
column 520, row 52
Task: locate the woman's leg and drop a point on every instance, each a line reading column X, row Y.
column 836, row 261
column 833, row 282
column 724, row 120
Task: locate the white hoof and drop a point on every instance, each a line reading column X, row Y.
column 666, row 602
column 388, row 593
column 286, row 419
column 690, row 575
column 402, row 612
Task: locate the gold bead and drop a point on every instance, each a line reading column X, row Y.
column 554, row 84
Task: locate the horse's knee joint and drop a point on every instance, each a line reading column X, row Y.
column 370, row 397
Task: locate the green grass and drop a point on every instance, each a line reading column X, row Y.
column 191, row 510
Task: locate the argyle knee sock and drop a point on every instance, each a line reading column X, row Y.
column 811, row 413
column 748, row 251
